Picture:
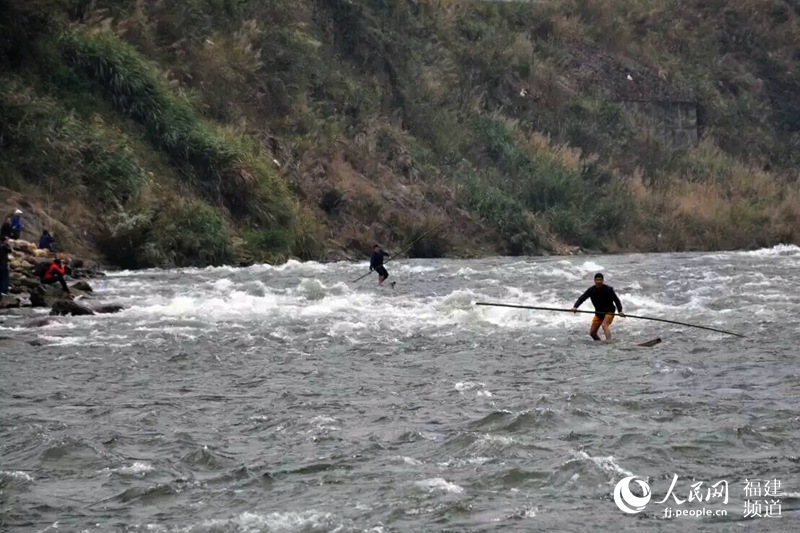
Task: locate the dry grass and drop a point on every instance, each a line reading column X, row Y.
column 569, row 29
column 725, row 206
column 568, row 157
column 388, row 100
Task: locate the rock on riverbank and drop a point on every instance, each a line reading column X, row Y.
column 27, row 263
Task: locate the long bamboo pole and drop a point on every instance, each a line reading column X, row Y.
column 612, row 314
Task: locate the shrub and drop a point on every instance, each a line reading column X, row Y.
column 426, row 241
column 125, row 238
column 332, row 201
column 56, row 148
column 308, row 241
column 191, row 233
column 224, row 167
column 186, row 232
column 262, row 241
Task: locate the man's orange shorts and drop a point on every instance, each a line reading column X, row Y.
column 597, row 321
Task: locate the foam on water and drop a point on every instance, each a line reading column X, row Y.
column 358, row 408
column 16, row 474
column 408, row 460
column 590, row 267
column 780, row 250
column 440, row 484
column 352, row 312
column 462, row 386
column 559, row 273
column 64, row 341
column 283, row 522
column 136, row 469
column 608, row 464
column 462, row 462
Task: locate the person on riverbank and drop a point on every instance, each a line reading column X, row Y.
column 47, row 242
column 16, row 224
column 604, row 300
column 55, row 274
column 6, row 231
column 5, row 275
column 376, row 264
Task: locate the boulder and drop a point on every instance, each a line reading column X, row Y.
column 68, row 307
column 27, row 265
column 40, row 322
column 86, row 272
column 108, row 309
column 82, row 286
column 47, row 295
column 21, row 280
column 18, row 265
column 10, row 344
column 23, row 246
column 9, row 302
column 30, row 283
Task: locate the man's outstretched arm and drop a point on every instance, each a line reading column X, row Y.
column 582, row 298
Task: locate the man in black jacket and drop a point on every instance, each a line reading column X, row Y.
column 376, row 264
column 604, row 299
column 6, row 231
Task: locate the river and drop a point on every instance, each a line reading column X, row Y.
column 289, row 399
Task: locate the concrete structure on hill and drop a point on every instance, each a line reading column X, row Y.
column 665, row 107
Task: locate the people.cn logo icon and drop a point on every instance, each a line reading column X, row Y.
column 627, row 501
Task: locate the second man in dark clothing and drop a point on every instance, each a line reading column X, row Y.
column 47, row 242
column 376, row 264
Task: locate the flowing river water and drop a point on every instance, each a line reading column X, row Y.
column 289, row 399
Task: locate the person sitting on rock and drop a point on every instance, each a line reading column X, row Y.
column 7, row 231
column 5, row 249
column 55, row 274
column 16, row 224
column 47, row 242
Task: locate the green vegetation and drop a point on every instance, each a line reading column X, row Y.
column 61, row 139
column 58, row 151
column 286, row 127
column 219, row 165
column 183, row 233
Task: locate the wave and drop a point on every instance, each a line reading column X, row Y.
column 137, row 469
column 292, row 266
column 780, row 250
column 606, row 464
column 440, row 484
column 14, row 477
column 311, row 521
column 517, row 422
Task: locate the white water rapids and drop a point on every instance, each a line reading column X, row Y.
column 286, row 398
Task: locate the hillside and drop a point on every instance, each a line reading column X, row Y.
column 194, row 132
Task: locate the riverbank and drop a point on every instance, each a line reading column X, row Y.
column 26, row 267
column 610, row 147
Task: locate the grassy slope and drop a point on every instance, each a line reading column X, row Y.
column 304, row 127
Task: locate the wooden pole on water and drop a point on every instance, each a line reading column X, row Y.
column 612, row 314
